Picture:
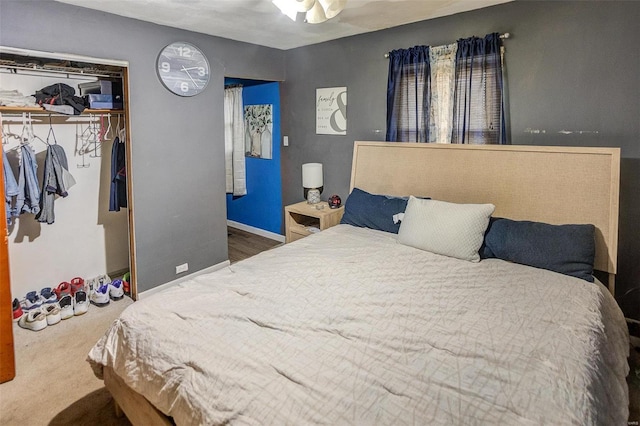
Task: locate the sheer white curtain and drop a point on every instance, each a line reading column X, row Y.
column 236, row 181
column 443, row 66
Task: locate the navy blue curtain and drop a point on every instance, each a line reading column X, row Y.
column 478, row 116
column 408, row 94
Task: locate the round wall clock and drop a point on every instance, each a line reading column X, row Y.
column 183, row 69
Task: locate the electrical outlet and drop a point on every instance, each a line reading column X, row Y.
column 182, row 268
column 285, row 141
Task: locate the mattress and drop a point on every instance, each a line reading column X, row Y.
column 348, row 326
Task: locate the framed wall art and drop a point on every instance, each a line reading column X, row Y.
column 331, row 111
column 258, row 121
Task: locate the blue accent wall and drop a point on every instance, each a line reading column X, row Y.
column 262, row 206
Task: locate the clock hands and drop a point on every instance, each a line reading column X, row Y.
column 191, row 78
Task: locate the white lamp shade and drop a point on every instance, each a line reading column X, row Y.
column 312, row 175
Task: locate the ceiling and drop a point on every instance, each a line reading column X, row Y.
column 261, row 22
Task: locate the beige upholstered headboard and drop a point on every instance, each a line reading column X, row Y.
column 557, row 185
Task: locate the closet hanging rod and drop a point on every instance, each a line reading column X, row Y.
column 38, row 71
column 502, row 36
column 39, row 112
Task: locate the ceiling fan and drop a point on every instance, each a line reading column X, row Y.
column 316, row 11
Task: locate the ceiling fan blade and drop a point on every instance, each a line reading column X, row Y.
column 303, row 5
column 316, row 14
column 332, row 7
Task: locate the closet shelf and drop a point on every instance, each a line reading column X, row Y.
column 9, row 109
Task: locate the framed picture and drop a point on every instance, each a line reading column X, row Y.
column 331, row 111
column 258, row 130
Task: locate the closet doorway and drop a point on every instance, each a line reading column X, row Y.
column 253, row 159
column 84, row 237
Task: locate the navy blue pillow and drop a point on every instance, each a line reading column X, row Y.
column 373, row 211
column 567, row 249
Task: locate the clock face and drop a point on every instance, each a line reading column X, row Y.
column 183, row 69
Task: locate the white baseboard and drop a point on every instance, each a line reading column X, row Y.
column 254, row 230
column 165, row 286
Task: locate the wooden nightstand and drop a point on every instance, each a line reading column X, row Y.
column 299, row 217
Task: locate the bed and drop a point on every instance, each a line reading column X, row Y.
column 354, row 326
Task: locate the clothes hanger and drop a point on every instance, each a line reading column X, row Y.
column 97, row 138
column 32, row 133
column 5, row 135
column 51, row 133
column 122, row 133
column 81, row 151
column 108, row 133
column 24, row 134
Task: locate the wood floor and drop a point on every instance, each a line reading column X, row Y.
column 244, row 244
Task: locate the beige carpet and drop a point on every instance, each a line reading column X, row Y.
column 54, row 385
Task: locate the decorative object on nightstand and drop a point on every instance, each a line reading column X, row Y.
column 334, row 201
column 312, row 182
column 302, row 219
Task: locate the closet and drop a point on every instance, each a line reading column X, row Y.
column 86, row 239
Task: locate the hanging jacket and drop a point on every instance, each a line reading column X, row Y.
column 118, row 190
column 28, row 189
column 10, row 187
column 55, row 180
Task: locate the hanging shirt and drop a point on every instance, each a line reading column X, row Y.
column 28, row 188
column 56, row 174
column 118, row 191
column 10, row 187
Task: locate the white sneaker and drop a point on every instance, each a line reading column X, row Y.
column 34, row 320
column 66, row 306
column 80, row 302
column 32, row 302
column 92, row 283
column 116, row 290
column 52, row 311
column 100, row 295
column 48, row 296
column 89, row 284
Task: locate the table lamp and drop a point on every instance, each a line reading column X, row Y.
column 312, row 182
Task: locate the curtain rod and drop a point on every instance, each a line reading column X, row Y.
column 502, row 36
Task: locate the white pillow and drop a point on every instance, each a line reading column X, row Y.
column 454, row 230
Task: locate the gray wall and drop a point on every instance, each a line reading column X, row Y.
column 177, row 143
column 570, row 66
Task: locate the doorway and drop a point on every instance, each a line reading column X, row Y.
column 260, row 210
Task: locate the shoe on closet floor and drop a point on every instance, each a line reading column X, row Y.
column 52, row 311
column 62, row 289
column 102, row 280
column 66, row 306
column 76, row 284
column 17, row 310
column 80, row 302
column 34, row 320
column 126, row 278
column 32, row 301
column 116, row 289
column 100, row 295
column 48, row 296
